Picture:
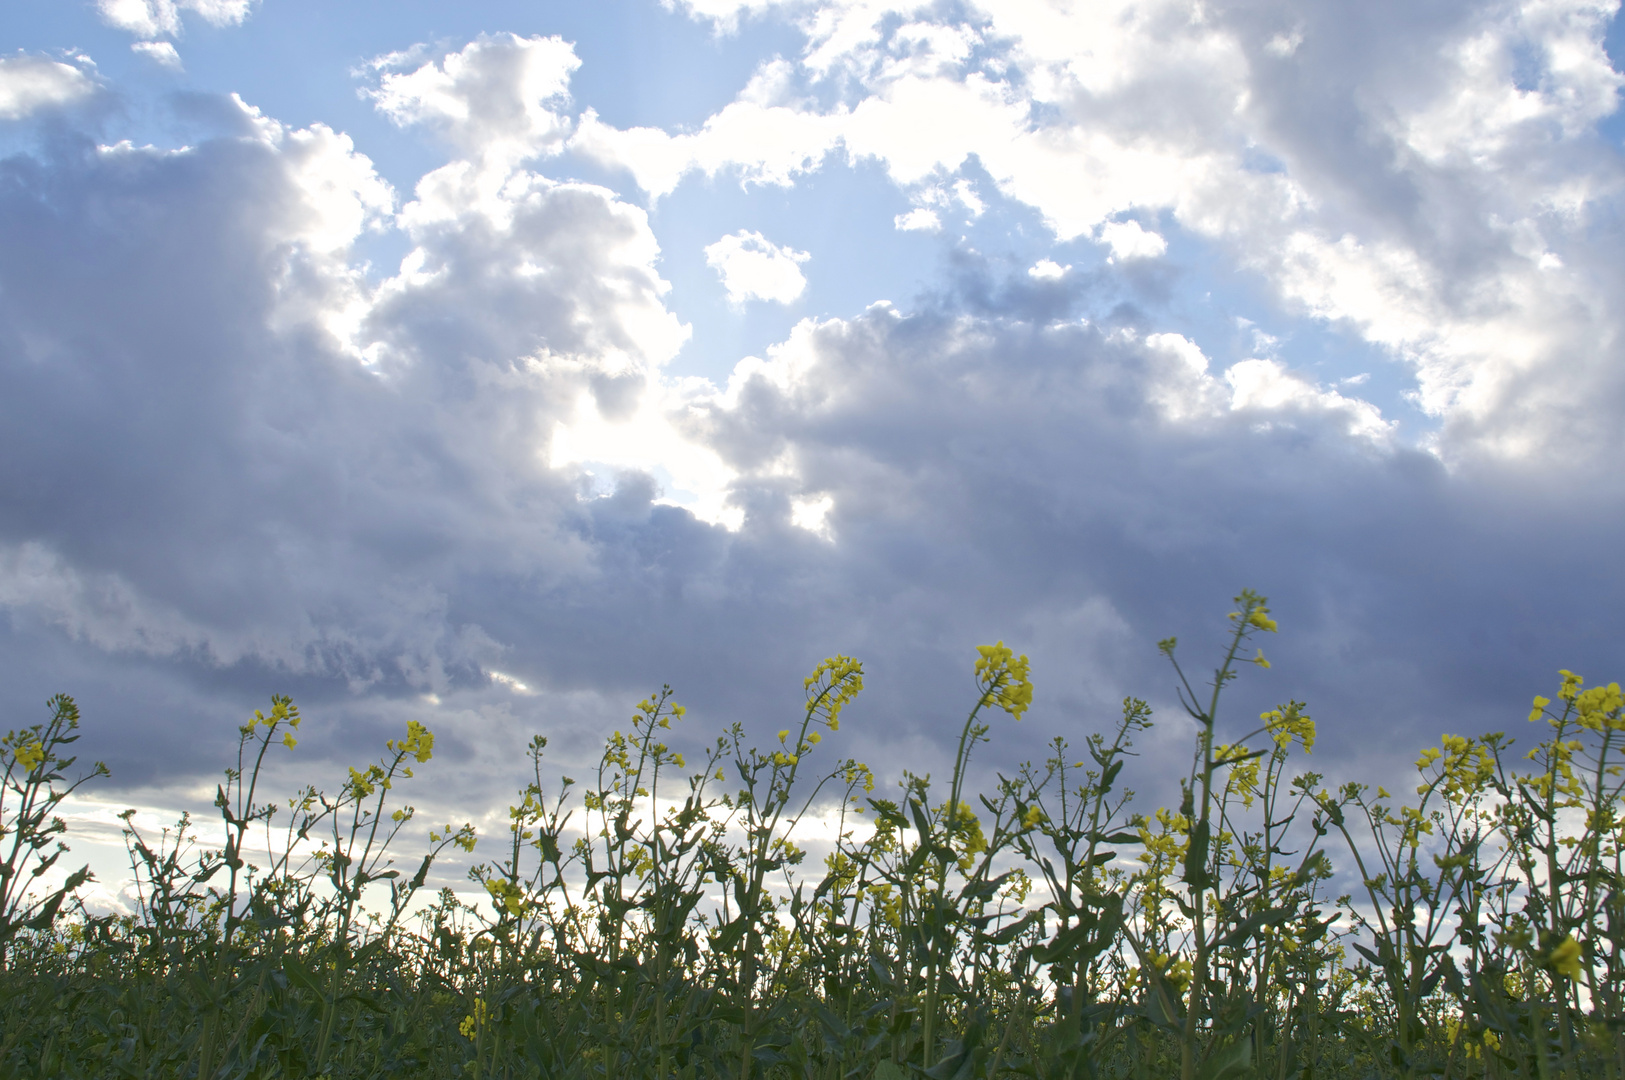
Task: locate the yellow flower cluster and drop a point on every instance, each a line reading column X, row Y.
column 1254, row 611
column 1243, row 771
column 1465, row 765
column 474, row 1021
column 1601, row 707
column 1176, row 970
column 419, row 742
column 831, row 687
column 464, row 838
column 506, row 896
column 1004, row 679
column 30, row 754
column 362, row 784
column 283, row 711
column 1565, row 958
column 1290, row 722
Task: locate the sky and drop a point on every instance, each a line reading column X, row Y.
column 493, row 364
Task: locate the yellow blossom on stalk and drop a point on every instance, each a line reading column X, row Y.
column 832, row 686
column 30, row 754
column 721, row 775
column 1565, row 958
column 506, row 895
column 785, row 734
column 677, row 759
column 361, row 782
column 474, row 1021
column 815, row 738
column 419, row 742
column 1033, row 818
column 1571, row 685
column 288, row 740
column 1600, row 707
column 1004, row 679
column 1540, row 708
column 1290, row 722
column 1260, row 618
column 1176, row 970
column 1243, row 774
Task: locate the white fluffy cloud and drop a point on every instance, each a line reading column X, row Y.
column 1433, row 185
column 764, row 135
column 500, row 94
column 155, row 18
column 1129, row 240
column 919, row 219
column 752, row 267
column 29, row 83
column 162, row 53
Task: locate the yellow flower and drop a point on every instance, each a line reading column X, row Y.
column 1540, row 707
column 288, row 740
column 785, row 734
column 1261, row 619
column 1004, row 679
column 474, row 1021
column 721, row 775
column 30, row 754
column 677, row 759
column 1565, row 958
column 419, row 741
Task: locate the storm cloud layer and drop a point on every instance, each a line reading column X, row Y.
column 271, row 423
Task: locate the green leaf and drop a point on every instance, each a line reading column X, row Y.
column 1234, row 1060
column 1252, row 925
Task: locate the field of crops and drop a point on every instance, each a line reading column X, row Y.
column 658, row 918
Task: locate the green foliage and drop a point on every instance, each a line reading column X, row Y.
column 662, row 919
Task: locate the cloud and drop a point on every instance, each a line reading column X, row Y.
column 255, row 460
column 1128, row 240
column 161, row 53
column 1266, row 386
column 752, row 267
column 764, row 139
column 1435, row 210
column 410, row 492
column 32, row 83
column 162, row 18
column 724, row 14
column 498, row 94
column 918, row 219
